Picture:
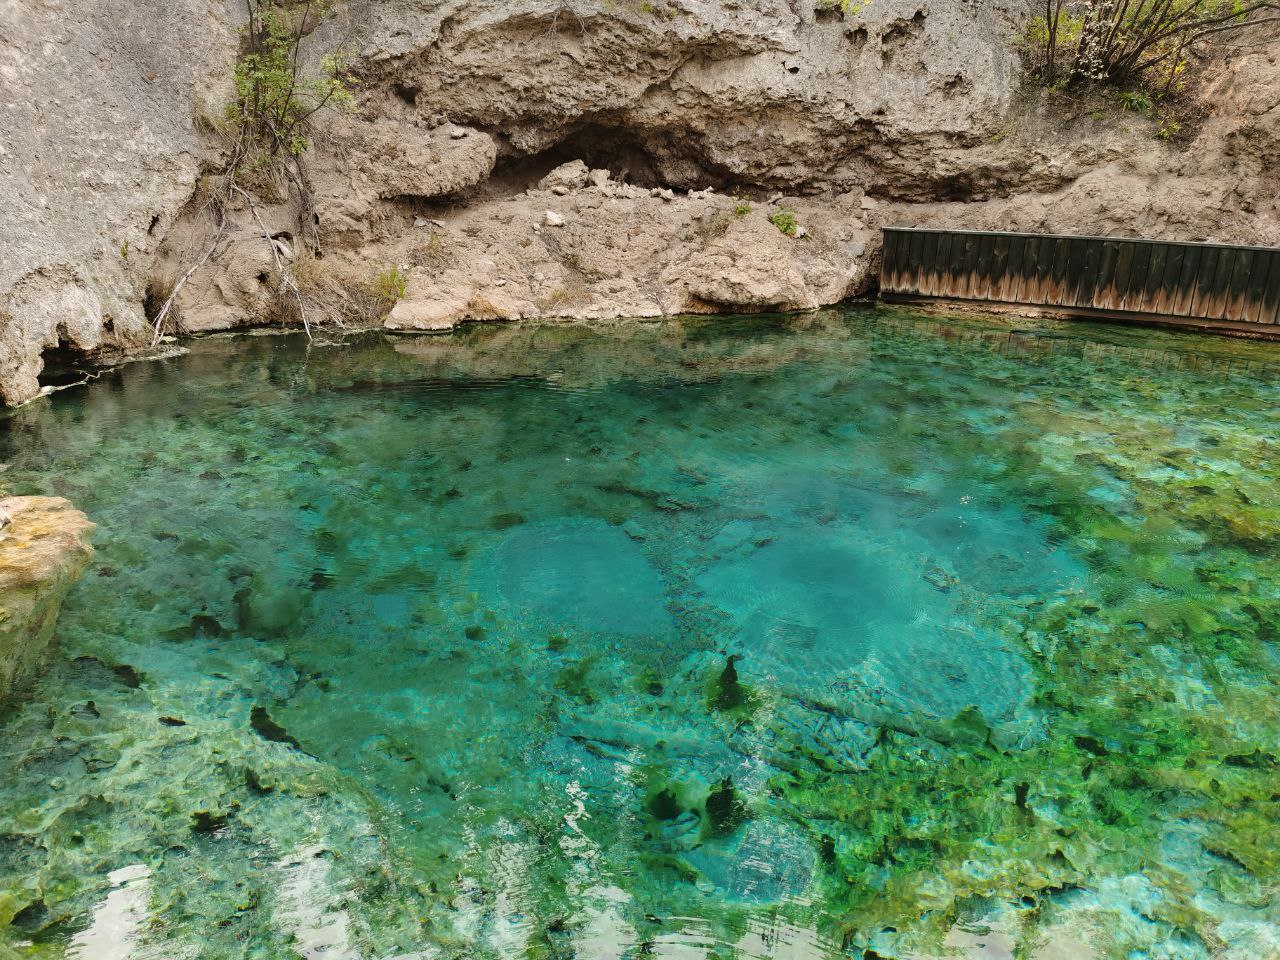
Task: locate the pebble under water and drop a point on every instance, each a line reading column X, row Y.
column 856, row 633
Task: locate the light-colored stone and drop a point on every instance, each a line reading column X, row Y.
column 44, row 547
column 426, row 314
column 368, row 164
column 749, row 269
column 569, row 176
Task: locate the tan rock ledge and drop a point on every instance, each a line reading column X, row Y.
column 44, row 547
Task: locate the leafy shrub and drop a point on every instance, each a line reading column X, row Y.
column 274, row 100
column 1129, row 43
column 390, row 285
column 1135, row 101
column 847, row 7
column 785, row 220
column 266, row 126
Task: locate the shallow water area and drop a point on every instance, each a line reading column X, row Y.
column 856, row 633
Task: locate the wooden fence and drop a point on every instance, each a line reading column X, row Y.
column 1204, row 284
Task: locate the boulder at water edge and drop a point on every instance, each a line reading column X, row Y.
column 44, row 547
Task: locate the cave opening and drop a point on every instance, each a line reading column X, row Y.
column 627, row 156
column 62, row 366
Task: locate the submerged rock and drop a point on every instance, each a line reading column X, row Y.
column 582, row 574
column 767, row 861
column 44, row 547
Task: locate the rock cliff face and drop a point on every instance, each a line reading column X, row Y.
column 44, row 547
column 579, row 158
column 100, row 150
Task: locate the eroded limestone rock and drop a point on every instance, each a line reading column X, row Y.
column 368, row 162
column 750, row 268
column 44, row 547
column 100, row 152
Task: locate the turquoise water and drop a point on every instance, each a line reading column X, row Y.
column 849, row 634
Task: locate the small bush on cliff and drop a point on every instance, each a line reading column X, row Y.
column 275, row 100
column 847, row 7
column 1135, row 101
column 785, row 220
column 267, row 127
column 390, row 285
column 1133, row 43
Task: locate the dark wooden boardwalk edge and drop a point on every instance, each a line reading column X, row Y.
column 1217, row 288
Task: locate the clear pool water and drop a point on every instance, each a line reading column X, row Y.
column 847, row 634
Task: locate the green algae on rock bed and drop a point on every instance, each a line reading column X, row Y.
column 802, row 636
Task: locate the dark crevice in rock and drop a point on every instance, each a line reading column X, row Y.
column 668, row 159
column 264, row 726
column 407, row 92
column 901, row 31
column 63, row 365
column 599, row 145
column 616, row 149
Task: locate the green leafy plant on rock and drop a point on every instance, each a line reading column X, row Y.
column 846, row 7
column 1135, row 101
column 390, row 285
column 275, row 98
column 785, row 221
column 1132, row 43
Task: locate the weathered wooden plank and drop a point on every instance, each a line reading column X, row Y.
column 898, row 264
column 1135, row 287
column 943, row 262
column 1188, row 282
column 1087, row 285
column 1238, row 286
column 1269, row 308
column 1104, row 287
column 1217, row 308
column 981, row 288
column 1202, row 293
column 1120, row 279
column 1040, row 263
column 1017, row 253
column 928, row 266
column 1077, row 252
column 1162, row 300
column 888, row 249
column 999, row 268
column 961, row 249
column 1056, row 294
column 1150, row 293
